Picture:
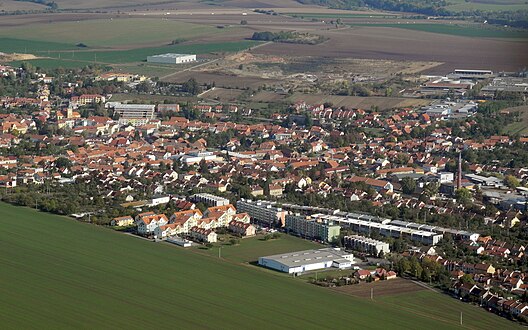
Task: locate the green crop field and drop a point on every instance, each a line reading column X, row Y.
column 80, row 58
column 457, row 30
column 59, row 273
column 108, row 33
column 12, row 45
column 486, row 5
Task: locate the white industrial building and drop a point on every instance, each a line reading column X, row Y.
column 197, row 156
column 171, row 58
column 304, row 261
column 210, row 200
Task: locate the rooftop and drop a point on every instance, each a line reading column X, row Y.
column 295, row 259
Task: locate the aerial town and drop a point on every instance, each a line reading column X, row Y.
column 162, row 159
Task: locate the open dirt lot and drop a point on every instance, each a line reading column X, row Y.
column 381, row 288
column 399, row 44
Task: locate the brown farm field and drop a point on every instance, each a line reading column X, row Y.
column 381, row 288
column 403, row 45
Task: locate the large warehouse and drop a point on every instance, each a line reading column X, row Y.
column 303, row 261
column 171, row 58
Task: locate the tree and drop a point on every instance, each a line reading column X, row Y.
column 511, row 181
column 191, row 86
column 408, row 185
column 63, row 162
column 463, row 195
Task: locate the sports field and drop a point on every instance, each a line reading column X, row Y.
column 59, row 273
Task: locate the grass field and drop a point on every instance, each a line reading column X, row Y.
column 107, row 33
column 456, row 30
column 520, row 127
column 250, row 249
column 58, row 273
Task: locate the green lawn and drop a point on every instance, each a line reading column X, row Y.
column 457, row 30
column 57, row 273
column 518, row 127
column 250, row 249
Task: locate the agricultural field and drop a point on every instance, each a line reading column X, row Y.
column 467, row 30
column 396, row 286
column 66, row 274
column 455, row 52
column 486, row 5
column 14, row 5
column 111, row 32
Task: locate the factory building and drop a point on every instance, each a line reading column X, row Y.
column 263, row 212
column 210, row 200
column 171, row 58
column 365, row 244
column 303, row 261
column 313, row 228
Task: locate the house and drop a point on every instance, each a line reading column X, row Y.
column 203, row 235
column 147, row 224
column 275, row 190
column 362, row 274
column 241, row 228
column 122, row 221
column 165, row 231
column 224, row 214
column 186, row 219
column 484, row 269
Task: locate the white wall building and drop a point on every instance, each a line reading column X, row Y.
column 303, row 261
column 210, row 200
column 171, row 58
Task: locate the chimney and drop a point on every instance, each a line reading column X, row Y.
column 459, row 174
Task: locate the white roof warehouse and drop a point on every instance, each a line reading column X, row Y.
column 303, row 261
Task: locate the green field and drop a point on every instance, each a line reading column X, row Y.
column 59, row 273
column 519, row 127
column 107, row 33
column 486, row 5
column 81, row 58
column 12, row 45
column 457, row 30
column 250, row 249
